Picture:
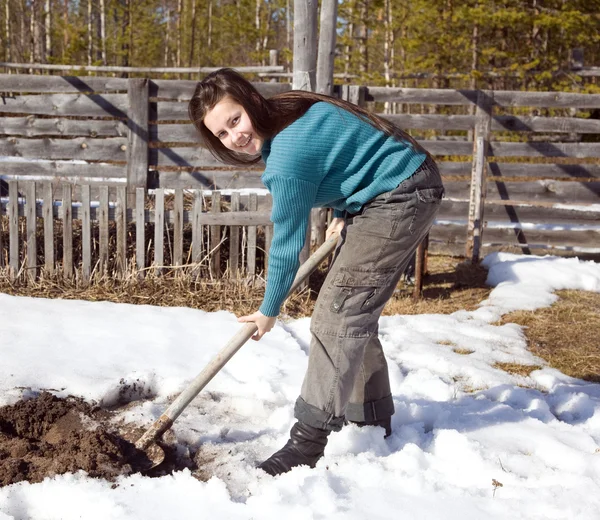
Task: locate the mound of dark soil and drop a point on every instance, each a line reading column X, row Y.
column 47, row 436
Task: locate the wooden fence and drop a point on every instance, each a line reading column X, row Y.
column 159, row 230
column 518, row 170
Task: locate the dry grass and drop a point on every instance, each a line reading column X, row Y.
column 516, row 368
column 566, row 333
column 450, row 285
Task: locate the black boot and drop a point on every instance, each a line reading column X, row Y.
column 305, row 447
column 386, row 424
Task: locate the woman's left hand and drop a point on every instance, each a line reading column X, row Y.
column 262, row 322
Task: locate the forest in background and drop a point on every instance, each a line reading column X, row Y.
column 499, row 44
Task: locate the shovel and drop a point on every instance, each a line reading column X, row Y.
column 147, row 442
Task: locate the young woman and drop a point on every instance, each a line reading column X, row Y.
column 385, row 191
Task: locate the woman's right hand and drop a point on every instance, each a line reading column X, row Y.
column 336, row 226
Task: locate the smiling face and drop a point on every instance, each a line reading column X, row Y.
column 229, row 122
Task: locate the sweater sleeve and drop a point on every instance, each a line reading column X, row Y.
column 292, row 201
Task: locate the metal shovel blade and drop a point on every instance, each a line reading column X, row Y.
column 165, row 421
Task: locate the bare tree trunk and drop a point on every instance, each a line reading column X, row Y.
column 348, row 48
column 7, row 35
column 474, row 68
column 288, row 29
column 305, row 44
column 326, row 55
column 103, row 30
column 125, row 31
column 47, row 31
column 22, row 37
column 257, row 24
column 362, row 37
column 288, row 24
column 193, row 39
column 167, row 9
column 90, row 39
column 209, row 30
column 387, row 48
column 65, row 15
column 130, row 24
column 265, row 40
column 179, row 35
column 36, row 36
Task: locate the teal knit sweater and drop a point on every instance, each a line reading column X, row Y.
column 328, row 157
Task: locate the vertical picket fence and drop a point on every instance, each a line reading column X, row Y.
column 45, row 228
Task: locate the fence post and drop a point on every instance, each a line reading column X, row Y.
column 140, row 231
column 31, row 210
column 481, row 139
column 13, row 228
column 48, row 215
column 67, row 218
column 273, row 61
column 138, row 136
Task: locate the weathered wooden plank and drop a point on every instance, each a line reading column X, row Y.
column 505, row 149
column 103, row 229
column 499, row 123
column 197, row 233
column 121, row 218
column 35, row 127
column 67, row 219
column 319, row 225
column 13, row 228
column 140, row 230
column 251, row 255
column 481, row 138
column 546, row 124
column 31, row 217
column 137, row 123
column 268, row 240
column 190, row 156
column 521, row 237
column 182, row 90
column 215, row 237
column 239, row 218
column 544, row 149
column 95, row 105
column 175, row 133
column 504, row 211
column 234, row 240
column 86, row 233
column 159, row 226
column 81, row 148
column 178, row 228
column 64, row 172
column 48, row 216
column 269, row 233
column 207, row 180
column 49, row 84
column 578, row 171
column 536, row 192
column 447, row 147
column 504, row 98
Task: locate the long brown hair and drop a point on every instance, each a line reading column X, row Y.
column 268, row 116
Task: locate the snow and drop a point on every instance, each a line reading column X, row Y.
column 460, row 423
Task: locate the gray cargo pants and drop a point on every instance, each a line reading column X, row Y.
column 347, row 376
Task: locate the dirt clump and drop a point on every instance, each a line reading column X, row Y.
column 48, row 436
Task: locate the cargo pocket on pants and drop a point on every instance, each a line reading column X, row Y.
column 356, row 293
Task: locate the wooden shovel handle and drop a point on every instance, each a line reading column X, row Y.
column 166, row 420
